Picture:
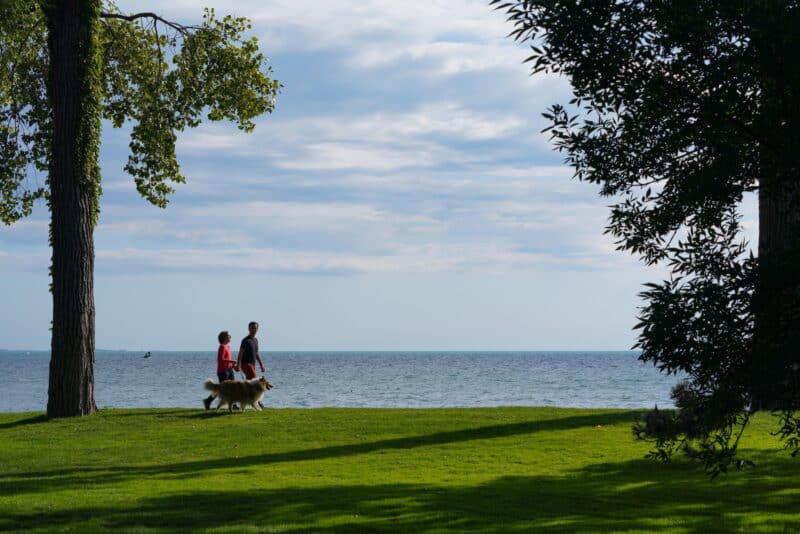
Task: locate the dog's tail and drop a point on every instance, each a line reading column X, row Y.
column 210, row 385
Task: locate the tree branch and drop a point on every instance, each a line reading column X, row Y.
column 180, row 28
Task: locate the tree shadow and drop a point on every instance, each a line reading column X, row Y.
column 57, row 479
column 608, row 497
column 183, row 414
column 152, row 412
column 32, row 420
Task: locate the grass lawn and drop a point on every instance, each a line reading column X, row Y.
column 405, row 470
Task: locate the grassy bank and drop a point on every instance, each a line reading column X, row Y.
column 330, row 470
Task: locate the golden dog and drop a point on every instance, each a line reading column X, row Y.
column 232, row 391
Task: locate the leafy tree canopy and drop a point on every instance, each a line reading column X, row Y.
column 680, row 108
column 159, row 75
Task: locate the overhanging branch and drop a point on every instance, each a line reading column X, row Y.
column 184, row 30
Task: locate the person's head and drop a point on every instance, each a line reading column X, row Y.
column 252, row 327
column 224, row 336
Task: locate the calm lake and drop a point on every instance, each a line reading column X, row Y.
column 361, row 379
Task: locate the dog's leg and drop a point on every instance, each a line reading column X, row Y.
column 256, row 406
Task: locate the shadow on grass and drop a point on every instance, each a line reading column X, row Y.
column 50, row 480
column 32, row 420
column 183, row 414
column 158, row 413
column 606, row 497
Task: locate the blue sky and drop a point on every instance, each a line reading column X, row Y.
column 400, row 197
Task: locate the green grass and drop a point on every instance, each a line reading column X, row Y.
column 332, row 470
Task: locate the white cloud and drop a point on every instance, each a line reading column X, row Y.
column 481, row 234
column 376, row 141
column 26, row 259
column 444, row 178
column 336, row 156
column 457, row 35
column 206, row 139
column 442, row 118
column 530, row 172
column 426, row 258
column 444, row 58
column 344, row 23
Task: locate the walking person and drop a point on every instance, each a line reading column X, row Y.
column 225, row 363
column 249, row 354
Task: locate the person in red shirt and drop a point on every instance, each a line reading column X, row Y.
column 225, row 363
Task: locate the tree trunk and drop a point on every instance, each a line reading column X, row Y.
column 776, row 368
column 73, row 201
column 777, row 302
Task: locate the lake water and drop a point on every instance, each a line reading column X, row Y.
column 361, row 379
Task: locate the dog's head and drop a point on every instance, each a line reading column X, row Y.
column 265, row 385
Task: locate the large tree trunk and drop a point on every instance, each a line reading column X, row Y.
column 776, row 369
column 777, row 302
column 73, row 201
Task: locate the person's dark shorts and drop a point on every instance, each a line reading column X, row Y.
column 227, row 375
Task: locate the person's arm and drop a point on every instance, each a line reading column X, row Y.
column 239, row 359
column 258, row 357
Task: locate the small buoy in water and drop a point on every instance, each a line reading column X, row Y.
column 147, row 354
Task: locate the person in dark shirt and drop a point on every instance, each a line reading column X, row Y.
column 249, row 354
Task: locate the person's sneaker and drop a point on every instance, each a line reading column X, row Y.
column 207, row 403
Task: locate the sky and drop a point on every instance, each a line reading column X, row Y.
column 400, row 197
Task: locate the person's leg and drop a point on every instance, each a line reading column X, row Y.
column 228, row 375
column 249, row 370
column 208, row 400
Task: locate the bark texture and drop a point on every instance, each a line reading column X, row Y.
column 72, row 204
column 777, row 299
column 777, row 302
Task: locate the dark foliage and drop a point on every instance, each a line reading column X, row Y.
column 679, row 110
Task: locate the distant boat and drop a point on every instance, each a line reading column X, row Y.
column 146, row 354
